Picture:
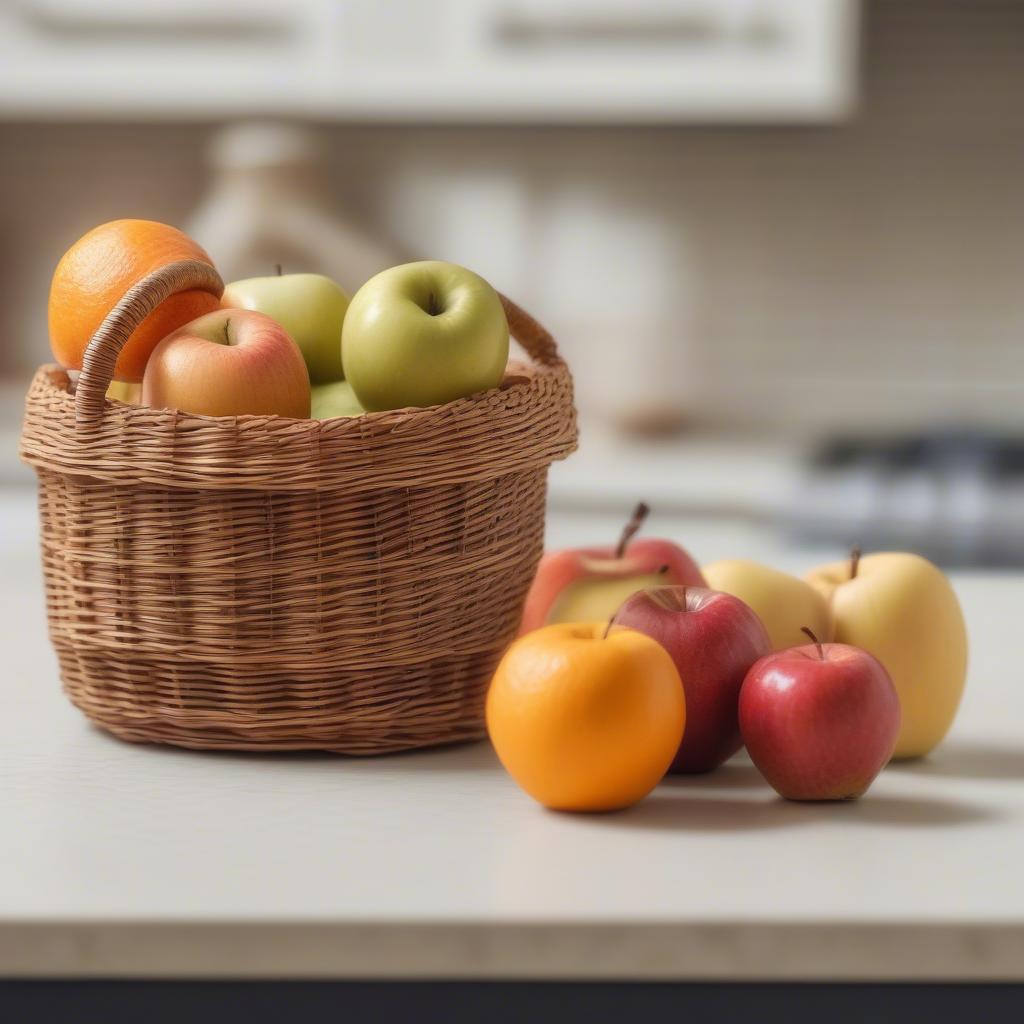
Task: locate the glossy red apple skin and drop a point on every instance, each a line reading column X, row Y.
column 560, row 569
column 713, row 639
column 819, row 725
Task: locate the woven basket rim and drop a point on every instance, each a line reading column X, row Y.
column 527, row 422
column 519, row 378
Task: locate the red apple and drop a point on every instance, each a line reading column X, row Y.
column 228, row 363
column 819, row 721
column 590, row 584
column 713, row 639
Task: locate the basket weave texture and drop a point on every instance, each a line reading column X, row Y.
column 263, row 583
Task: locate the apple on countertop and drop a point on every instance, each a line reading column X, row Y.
column 784, row 603
column 590, row 584
column 819, row 721
column 902, row 609
column 713, row 639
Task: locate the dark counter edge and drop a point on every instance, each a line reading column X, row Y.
column 454, row 1002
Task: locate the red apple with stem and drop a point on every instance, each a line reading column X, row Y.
column 713, row 639
column 589, row 584
column 819, row 721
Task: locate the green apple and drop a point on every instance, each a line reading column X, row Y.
column 335, row 399
column 423, row 334
column 310, row 307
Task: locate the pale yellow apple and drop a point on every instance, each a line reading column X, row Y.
column 902, row 609
column 783, row 603
column 596, row 599
column 122, row 391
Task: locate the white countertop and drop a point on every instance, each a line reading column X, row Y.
column 122, row 860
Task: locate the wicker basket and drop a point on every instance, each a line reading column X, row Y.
column 262, row 583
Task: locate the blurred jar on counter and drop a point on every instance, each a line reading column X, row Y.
column 268, row 203
column 620, row 284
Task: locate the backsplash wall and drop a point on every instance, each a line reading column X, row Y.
column 862, row 275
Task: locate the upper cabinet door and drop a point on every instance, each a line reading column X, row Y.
column 528, row 61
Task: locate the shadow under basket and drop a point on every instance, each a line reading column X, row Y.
column 263, row 583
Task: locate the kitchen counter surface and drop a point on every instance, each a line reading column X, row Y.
column 122, row 860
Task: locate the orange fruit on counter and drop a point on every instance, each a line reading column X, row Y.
column 584, row 721
column 93, row 276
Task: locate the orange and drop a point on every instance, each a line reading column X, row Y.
column 585, row 722
column 93, row 276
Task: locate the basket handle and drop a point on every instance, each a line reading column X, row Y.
column 138, row 302
column 535, row 339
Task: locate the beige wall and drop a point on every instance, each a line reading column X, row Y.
column 864, row 273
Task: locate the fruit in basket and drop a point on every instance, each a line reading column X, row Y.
column 93, row 276
column 784, row 603
column 310, row 307
column 231, row 362
column 584, row 719
column 903, row 610
column 819, row 721
column 121, row 391
column 588, row 584
column 713, row 639
column 422, row 334
column 336, row 399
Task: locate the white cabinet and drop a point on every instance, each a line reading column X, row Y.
column 598, row 61
column 141, row 58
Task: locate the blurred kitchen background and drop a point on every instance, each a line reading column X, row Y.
column 781, row 242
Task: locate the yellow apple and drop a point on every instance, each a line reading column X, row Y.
column 783, row 603
column 121, row 391
column 596, row 599
column 902, row 609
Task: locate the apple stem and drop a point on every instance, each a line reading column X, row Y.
column 814, row 640
column 608, row 628
column 279, row 269
column 629, row 531
column 854, row 561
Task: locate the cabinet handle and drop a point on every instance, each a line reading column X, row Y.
column 118, row 19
